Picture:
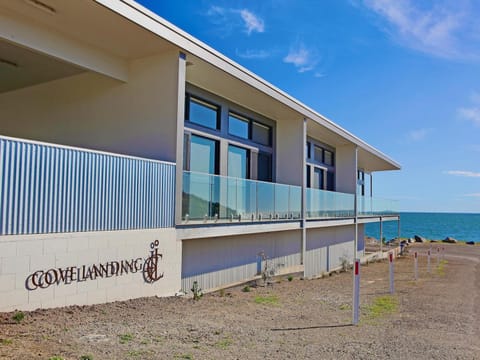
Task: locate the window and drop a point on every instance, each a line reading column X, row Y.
column 202, row 113
column 238, row 126
column 238, row 162
column 330, row 181
column 309, row 183
column 220, row 140
column 261, row 134
column 327, row 157
column 264, row 166
column 320, row 166
column 203, row 155
column 318, row 153
column 317, row 178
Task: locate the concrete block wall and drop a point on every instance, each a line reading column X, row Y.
column 23, row 255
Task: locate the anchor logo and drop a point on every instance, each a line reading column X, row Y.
column 150, row 267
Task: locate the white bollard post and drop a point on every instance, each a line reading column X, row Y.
column 416, row 266
column 356, row 290
column 390, row 258
column 428, row 261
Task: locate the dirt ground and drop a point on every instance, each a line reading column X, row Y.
column 435, row 317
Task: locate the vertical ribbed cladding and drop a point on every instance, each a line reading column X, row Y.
column 48, row 189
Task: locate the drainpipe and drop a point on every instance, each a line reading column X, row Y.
column 304, row 195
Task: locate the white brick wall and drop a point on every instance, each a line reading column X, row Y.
column 20, row 256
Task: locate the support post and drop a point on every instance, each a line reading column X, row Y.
column 415, row 264
column 356, row 272
column 304, row 196
column 398, row 236
column 381, row 235
column 390, row 261
column 356, row 291
column 428, row 261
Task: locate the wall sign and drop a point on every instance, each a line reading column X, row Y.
column 149, row 267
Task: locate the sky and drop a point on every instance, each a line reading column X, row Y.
column 403, row 75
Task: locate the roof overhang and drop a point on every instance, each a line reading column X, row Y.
column 261, row 96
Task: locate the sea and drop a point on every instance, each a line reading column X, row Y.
column 432, row 226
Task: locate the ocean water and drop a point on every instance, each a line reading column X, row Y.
column 436, row 226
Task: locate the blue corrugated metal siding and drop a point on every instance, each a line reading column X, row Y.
column 46, row 189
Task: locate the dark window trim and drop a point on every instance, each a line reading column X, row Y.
column 207, row 103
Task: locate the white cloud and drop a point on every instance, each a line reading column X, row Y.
column 443, row 28
column 418, row 134
column 472, row 114
column 473, row 195
column 464, row 173
column 302, row 58
column 228, row 19
column 252, row 22
column 253, row 54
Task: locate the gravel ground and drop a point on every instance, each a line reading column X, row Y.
column 435, row 317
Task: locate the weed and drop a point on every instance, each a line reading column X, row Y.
column 197, row 291
column 224, row 344
column 5, row 341
column 137, row 353
column 441, row 267
column 290, row 278
column 381, row 306
column 222, row 292
column 267, row 300
column 184, row 356
column 86, row 357
column 217, row 332
column 125, row 338
column 18, row 316
column 246, row 288
column 345, row 307
column 56, row 358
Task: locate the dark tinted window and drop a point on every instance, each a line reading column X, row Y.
column 261, row 134
column 202, row 113
column 264, row 171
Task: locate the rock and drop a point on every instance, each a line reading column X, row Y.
column 470, row 243
column 450, row 240
column 419, row 239
column 410, row 240
column 433, row 241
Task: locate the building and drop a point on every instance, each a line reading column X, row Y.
column 135, row 160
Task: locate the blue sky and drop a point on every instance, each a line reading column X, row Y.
column 403, row 75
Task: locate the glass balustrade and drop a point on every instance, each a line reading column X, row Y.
column 372, row 206
column 329, row 204
column 216, row 198
column 209, row 197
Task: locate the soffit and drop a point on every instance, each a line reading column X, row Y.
column 20, row 67
column 93, row 24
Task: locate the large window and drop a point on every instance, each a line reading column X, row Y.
column 249, row 129
column 238, row 126
column 264, row 166
column 203, row 155
column 238, row 162
column 321, row 166
column 202, row 113
column 221, row 138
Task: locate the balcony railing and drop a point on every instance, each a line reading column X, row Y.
column 213, row 198
column 372, row 206
column 329, row 204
